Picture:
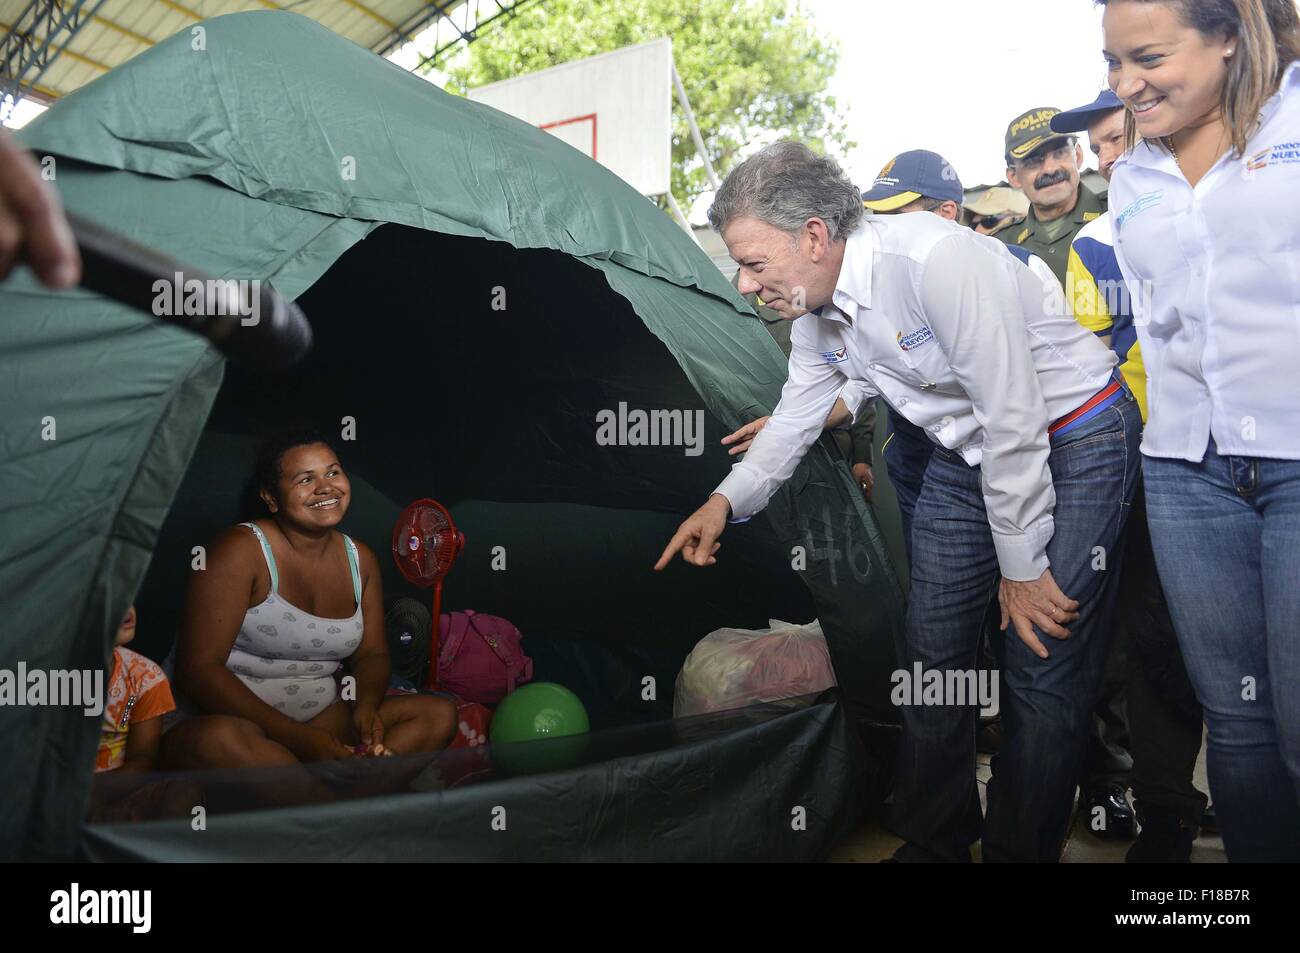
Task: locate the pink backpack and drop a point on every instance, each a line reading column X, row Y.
column 481, row 657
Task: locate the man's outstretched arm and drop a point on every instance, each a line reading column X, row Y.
column 810, row 392
column 844, row 412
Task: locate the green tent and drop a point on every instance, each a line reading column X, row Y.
column 479, row 293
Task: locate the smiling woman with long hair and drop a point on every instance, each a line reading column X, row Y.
column 1207, row 232
column 284, row 603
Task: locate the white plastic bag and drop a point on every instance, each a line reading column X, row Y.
column 732, row 668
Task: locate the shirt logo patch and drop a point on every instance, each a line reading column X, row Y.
column 1284, row 153
column 884, row 178
column 1090, row 216
column 914, row 339
column 1139, row 205
column 836, row 357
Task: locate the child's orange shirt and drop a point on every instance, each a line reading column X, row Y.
column 137, row 691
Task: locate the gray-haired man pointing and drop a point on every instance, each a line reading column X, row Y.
column 1035, row 461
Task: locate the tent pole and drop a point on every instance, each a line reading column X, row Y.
column 681, row 217
column 695, row 129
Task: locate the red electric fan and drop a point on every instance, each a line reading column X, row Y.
column 425, row 544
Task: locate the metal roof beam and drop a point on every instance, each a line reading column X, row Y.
column 125, row 31
column 470, row 34
column 441, row 10
column 371, row 13
column 27, row 55
column 62, row 50
column 405, row 33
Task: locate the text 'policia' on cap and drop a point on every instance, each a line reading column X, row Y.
column 1030, row 130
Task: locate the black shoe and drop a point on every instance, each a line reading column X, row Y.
column 988, row 738
column 1107, row 814
column 1163, row 840
column 1209, row 820
column 911, row 854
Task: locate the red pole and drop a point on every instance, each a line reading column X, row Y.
column 431, row 679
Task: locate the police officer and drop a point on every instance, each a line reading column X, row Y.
column 994, row 209
column 1045, row 166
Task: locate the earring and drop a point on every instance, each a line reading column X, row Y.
column 1230, row 52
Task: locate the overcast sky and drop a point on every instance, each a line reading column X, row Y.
column 950, row 75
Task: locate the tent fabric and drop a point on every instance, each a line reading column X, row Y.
column 749, row 801
column 78, row 522
column 503, row 433
column 278, row 108
column 268, row 151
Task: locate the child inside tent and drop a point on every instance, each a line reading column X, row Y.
column 138, row 696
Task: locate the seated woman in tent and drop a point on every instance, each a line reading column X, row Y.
column 283, row 604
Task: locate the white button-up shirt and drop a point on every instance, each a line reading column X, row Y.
column 1214, row 276
column 962, row 340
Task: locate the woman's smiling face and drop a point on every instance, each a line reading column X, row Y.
column 1168, row 75
column 313, row 491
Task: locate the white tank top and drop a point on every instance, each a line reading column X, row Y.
column 288, row 657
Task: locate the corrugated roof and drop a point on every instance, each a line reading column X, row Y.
column 122, row 29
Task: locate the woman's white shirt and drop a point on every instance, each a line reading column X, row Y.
column 1214, row 276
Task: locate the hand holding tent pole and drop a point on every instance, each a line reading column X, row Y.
column 248, row 321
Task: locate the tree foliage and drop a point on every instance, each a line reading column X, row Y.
column 753, row 70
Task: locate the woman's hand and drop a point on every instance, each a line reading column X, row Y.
column 745, row 435
column 1039, row 603
column 316, row 744
column 370, row 729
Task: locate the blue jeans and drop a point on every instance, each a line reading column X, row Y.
column 907, row 454
column 1046, row 704
column 1226, row 534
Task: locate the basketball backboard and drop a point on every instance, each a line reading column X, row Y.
column 615, row 107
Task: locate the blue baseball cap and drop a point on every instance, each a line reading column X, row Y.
column 1081, row 117
column 910, row 176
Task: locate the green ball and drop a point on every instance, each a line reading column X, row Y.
column 539, row 710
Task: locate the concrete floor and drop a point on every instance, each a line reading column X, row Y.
column 873, row 844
